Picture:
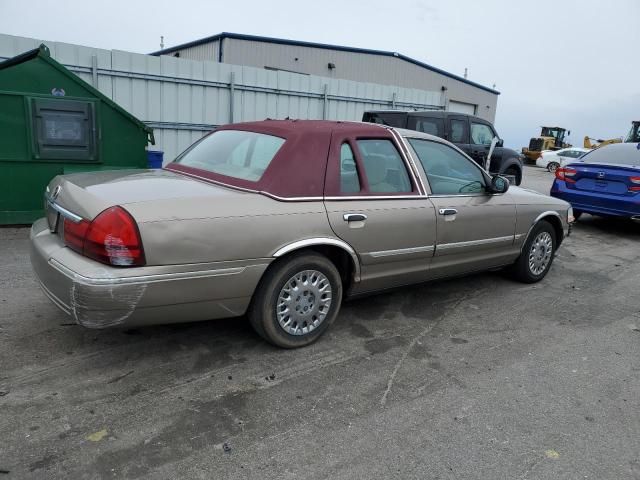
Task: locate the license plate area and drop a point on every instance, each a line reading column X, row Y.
column 53, row 218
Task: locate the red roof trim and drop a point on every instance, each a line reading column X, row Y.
column 298, row 169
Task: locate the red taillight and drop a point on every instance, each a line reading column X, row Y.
column 635, row 180
column 565, row 174
column 74, row 234
column 112, row 238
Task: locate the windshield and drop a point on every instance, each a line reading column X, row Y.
column 234, row 153
column 634, row 133
column 550, row 132
column 619, row 154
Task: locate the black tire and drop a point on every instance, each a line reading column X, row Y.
column 262, row 311
column 522, row 270
column 516, row 172
column 553, row 166
column 577, row 214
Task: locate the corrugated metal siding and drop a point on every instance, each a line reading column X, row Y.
column 182, row 99
column 205, row 52
column 358, row 67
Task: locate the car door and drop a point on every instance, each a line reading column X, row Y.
column 480, row 135
column 475, row 228
column 375, row 204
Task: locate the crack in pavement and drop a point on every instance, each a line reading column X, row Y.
column 416, row 339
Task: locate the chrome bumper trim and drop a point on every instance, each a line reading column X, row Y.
column 134, row 280
column 61, row 210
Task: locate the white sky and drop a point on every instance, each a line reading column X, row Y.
column 566, row 62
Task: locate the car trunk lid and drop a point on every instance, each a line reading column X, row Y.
column 603, row 178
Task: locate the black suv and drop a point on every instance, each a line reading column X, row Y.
column 473, row 135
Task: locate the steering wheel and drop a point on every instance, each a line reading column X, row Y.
column 467, row 188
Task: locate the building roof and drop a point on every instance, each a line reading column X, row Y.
column 298, row 43
column 42, row 52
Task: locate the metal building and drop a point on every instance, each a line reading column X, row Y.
column 362, row 65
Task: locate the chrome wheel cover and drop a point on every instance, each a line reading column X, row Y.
column 540, row 253
column 304, row 302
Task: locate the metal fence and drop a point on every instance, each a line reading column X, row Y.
column 181, row 99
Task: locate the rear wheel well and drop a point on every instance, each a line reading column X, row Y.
column 338, row 256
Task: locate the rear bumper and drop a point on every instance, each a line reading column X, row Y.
column 597, row 204
column 100, row 296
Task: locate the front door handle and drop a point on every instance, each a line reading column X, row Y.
column 354, row 217
column 447, row 211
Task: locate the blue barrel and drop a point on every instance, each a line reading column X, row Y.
column 154, row 159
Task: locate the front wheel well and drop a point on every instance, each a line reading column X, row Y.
column 556, row 223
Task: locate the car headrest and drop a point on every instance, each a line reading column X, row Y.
column 376, row 168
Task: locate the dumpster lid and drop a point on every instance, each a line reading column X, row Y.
column 43, row 53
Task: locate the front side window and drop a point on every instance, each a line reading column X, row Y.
column 481, row 134
column 448, row 171
column 233, row 153
column 384, row 167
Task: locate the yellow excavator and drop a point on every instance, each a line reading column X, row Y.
column 599, row 142
column 551, row 138
column 632, row 137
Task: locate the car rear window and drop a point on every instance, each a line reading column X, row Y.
column 620, row 154
column 233, row 153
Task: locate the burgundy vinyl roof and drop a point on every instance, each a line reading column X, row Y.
column 299, row 167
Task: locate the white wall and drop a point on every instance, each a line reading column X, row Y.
column 183, row 99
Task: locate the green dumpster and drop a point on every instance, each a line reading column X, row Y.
column 52, row 122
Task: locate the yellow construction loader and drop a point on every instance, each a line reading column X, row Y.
column 551, row 138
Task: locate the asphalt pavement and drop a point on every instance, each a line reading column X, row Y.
column 472, row 378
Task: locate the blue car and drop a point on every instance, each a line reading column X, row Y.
column 605, row 182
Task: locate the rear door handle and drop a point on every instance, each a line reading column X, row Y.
column 447, row 211
column 354, row 217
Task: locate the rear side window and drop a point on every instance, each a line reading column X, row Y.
column 391, row 119
column 233, row 153
column 349, row 181
column 432, row 126
column 384, row 167
column 457, row 131
column 620, row 154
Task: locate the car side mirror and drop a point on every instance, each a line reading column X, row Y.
column 499, row 184
column 500, row 143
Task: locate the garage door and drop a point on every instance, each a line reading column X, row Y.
column 460, row 107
